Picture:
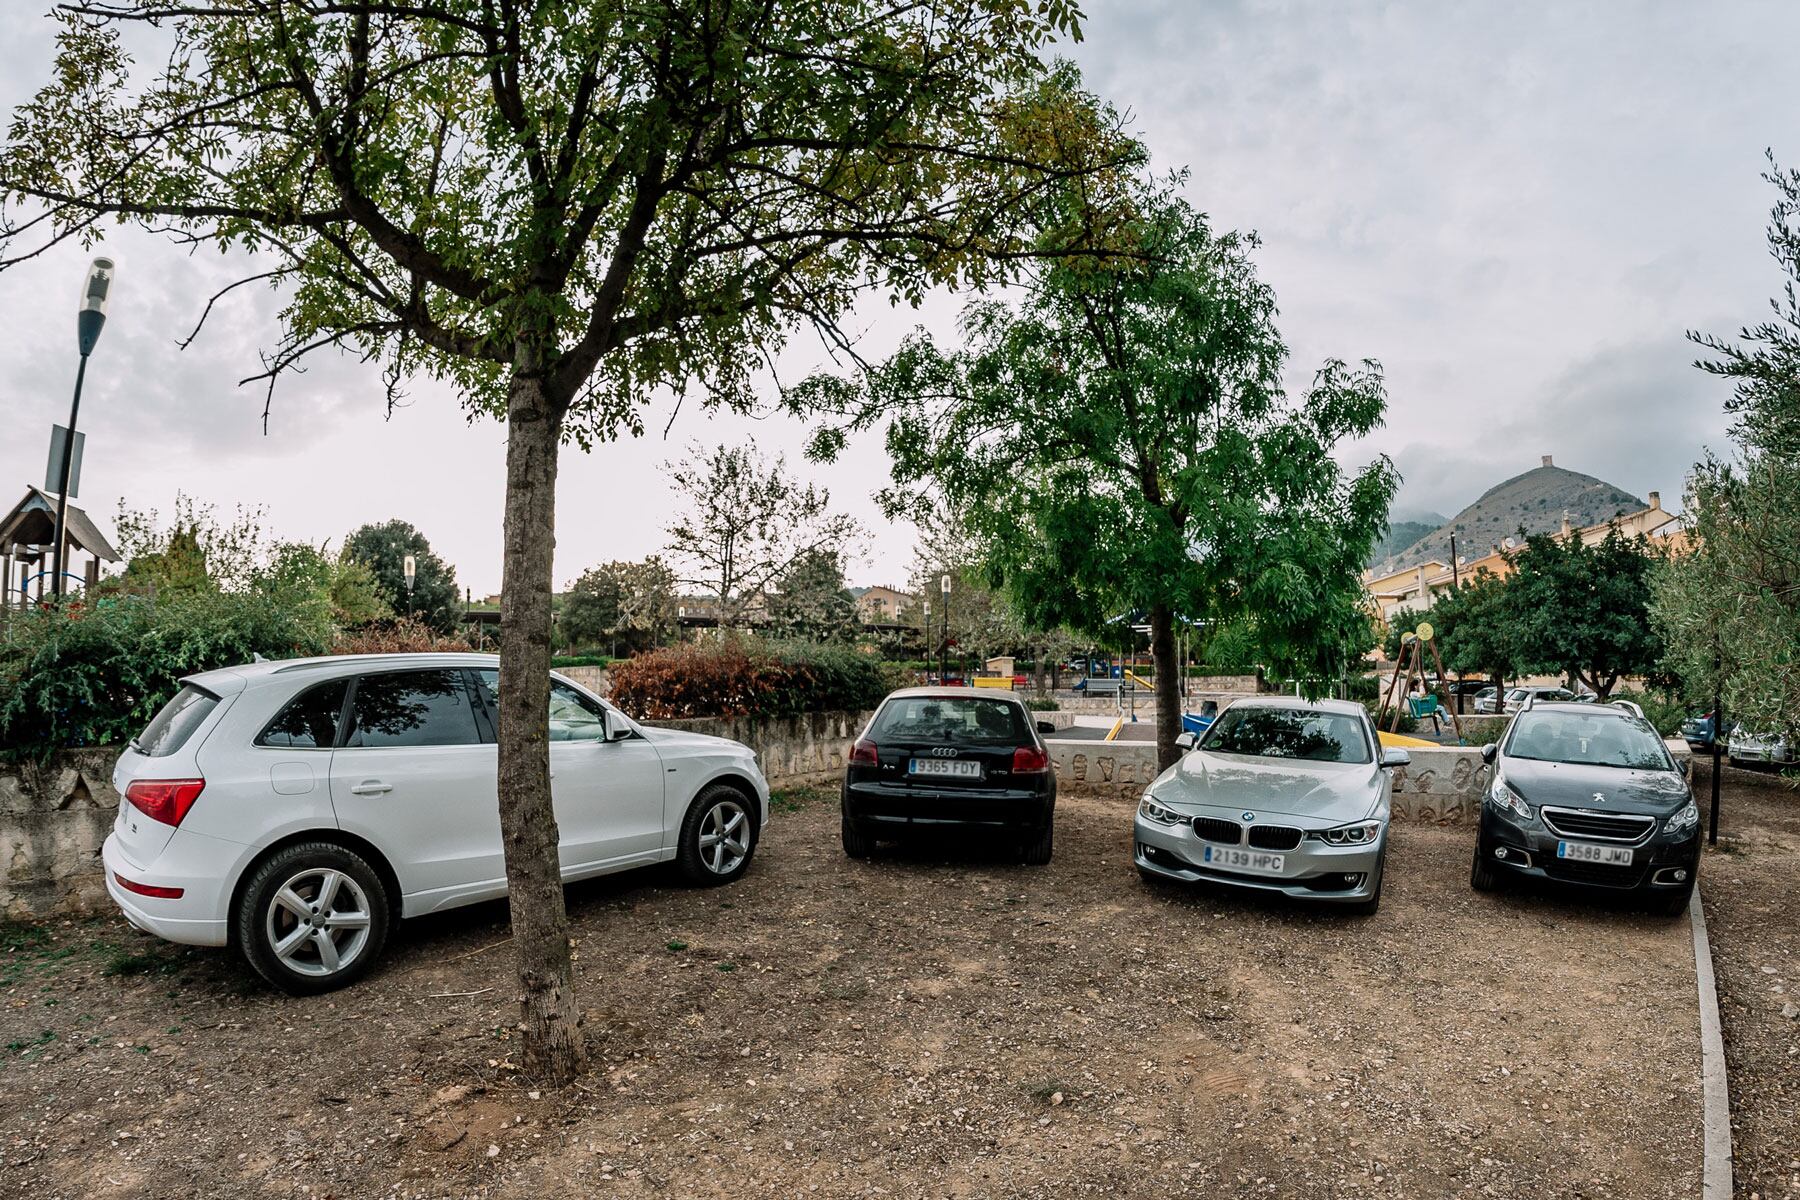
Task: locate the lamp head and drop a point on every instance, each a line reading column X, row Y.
column 92, row 315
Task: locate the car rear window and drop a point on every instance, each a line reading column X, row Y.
column 412, row 708
column 309, row 722
column 1289, row 733
column 170, row 729
column 952, row 721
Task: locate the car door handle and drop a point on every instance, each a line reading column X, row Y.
column 371, row 787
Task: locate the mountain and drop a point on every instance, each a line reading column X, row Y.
column 1536, row 500
column 1401, row 535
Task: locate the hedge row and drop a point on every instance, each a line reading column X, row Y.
column 744, row 677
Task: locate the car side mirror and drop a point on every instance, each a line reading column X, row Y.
column 1687, row 767
column 1187, row 741
column 1488, row 752
column 1045, row 727
column 1394, row 756
column 617, row 728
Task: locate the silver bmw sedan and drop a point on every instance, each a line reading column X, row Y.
column 1280, row 795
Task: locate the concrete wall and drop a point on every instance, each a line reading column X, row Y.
column 53, row 818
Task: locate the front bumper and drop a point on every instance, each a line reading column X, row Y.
column 1312, row 870
column 1531, row 853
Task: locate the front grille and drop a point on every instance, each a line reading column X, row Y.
column 1573, row 871
column 1609, row 827
column 1274, row 837
column 1212, row 829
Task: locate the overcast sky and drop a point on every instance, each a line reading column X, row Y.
column 1518, row 209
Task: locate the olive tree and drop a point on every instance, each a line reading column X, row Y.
column 565, row 208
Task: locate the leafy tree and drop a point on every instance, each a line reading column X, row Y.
column 811, row 599
column 1583, row 610
column 747, row 523
column 356, row 595
column 1475, row 628
column 1120, row 442
column 567, row 210
column 628, row 607
column 435, row 598
column 1729, row 607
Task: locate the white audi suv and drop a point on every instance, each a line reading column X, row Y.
column 295, row 810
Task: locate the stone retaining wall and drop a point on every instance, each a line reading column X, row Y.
column 53, row 818
column 790, row 750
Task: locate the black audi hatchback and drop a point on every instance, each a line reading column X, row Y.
column 950, row 760
column 1588, row 794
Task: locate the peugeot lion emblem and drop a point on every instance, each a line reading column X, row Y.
column 1599, row 798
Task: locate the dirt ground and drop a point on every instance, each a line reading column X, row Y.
column 921, row 1025
column 1751, row 886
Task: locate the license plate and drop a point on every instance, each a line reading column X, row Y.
column 1611, row 856
column 1242, row 860
column 955, row 768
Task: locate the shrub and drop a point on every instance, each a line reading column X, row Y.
column 1042, row 704
column 94, row 675
column 401, row 635
column 579, row 660
column 1664, row 711
column 745, row 677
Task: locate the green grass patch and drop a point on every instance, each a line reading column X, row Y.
column 126, row 965
column 678, row 946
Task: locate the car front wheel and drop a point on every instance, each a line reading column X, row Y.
column 1483, row 876
column 718, row 837
column 313, row 918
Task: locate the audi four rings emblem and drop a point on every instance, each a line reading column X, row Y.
column 944, row 752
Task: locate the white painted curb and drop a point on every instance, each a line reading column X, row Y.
column 1715, row 1176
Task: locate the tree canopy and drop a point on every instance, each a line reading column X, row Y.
column 626, row 607
column 382, row 549
column 1120, row 441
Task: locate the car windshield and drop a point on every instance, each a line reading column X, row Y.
column 952, row 721
column 1289, row 733
column 1596, row 740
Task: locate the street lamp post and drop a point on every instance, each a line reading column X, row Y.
column 88, row 323
column 411, row 569
column 925, row 622
column 944, row 650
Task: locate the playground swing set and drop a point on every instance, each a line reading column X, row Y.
column 1410, row 664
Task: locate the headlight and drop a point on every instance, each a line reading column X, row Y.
column 1502, row 797
column 1683, row 821
column 1362, row 833
column 1150, row 810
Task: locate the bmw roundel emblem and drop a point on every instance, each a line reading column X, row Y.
column 1249, row 816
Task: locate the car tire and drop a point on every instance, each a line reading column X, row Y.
column 857, row 844
column 323, row 887
column 1037, row 851
column 1672, row 905
column 1483, row 876
column 718, row 836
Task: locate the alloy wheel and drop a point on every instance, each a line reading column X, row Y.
column 725, row 837
column 318, row 922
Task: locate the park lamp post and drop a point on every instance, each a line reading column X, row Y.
column 944, row 649
column 410, row 568
column 88, row 322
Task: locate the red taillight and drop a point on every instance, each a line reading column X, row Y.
column 148, row 889
column 165, row 800
column 864, row 752
column 1029, row 759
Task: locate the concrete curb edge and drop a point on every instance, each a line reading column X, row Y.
column 1715, row 1177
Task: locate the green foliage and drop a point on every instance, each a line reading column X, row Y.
column 741, row 676
column 812, row 600
column 580, row 660
column 627, row 607
column 93, row 676
column 435, row 598
column 1042, row 704
column 1583, row 609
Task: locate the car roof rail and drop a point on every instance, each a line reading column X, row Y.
column 1635, row 710
column 1530, row 699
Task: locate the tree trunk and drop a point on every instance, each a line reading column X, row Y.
column 554, row 1049
column 1168, row 685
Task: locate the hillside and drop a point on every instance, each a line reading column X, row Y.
column 1401, row 535
column 1536, row 500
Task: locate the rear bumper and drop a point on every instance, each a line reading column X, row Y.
column 196, row 918
column 889, row 810
column 1310, row 871
column 1532, row 854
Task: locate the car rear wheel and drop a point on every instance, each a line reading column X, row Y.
column 313, row 918
column 1037, row 851
column 1483, row 876
column 717, row 837
column 857, row 844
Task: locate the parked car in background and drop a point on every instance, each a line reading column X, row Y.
column 1758, row 747
column 933, row 760
column 1588, row 795
column 1278, row 795
column 296, row 810
column 1697, row 732
column 1516, row 697
column 1487, row 701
